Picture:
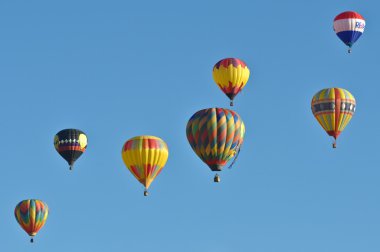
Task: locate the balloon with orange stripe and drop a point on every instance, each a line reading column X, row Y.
column 231, row 75
column 31, row 214
column 216, row 135
column 70, row 144
column 145, row 157
column 333, row 108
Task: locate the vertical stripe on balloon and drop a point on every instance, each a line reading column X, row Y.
column 145, row 157
column 333, row 108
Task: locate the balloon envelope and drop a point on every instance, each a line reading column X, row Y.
column 215, row 134
column 349, row 26
column 333, row 108
column 31, row 214
column 70, row 144
column 145, row 157
column 231, row 75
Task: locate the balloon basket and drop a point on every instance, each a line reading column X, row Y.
column 146, row 193
column 216, row 178
column 31, row 240
column 231, row 103
column 334, row 145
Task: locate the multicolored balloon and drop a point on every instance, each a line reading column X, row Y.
column 216, row 135
column 231, row 75
column 333, row 108
column 31, row 214
column 145, row 157
column 349, row 26
column 70, row 144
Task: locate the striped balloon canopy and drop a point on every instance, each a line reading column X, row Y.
column 231, row 75
column 145, row 157
column 333, row 108
column 349, row 26
column 215, row 135
column 31, row 214
column 70, row 144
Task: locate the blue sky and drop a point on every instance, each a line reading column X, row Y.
column 117, row 69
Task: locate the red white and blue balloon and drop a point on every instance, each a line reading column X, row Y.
column 349, row 26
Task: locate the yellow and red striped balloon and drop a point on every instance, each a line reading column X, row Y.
column 333, row 108
column 231, row 75
column 31, row 214
column 145, row 157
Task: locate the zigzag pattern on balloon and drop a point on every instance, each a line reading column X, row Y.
column 215, row 135
column 231, row 75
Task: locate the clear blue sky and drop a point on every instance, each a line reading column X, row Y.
column 117, row 69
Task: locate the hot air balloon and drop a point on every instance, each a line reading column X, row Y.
column 70, row 144
column 216, row 135
column 349, row 26
column 231, row 75
column 145, row 157
column 333, row 108
column 31, row 214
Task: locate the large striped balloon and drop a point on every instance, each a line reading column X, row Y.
column 70, row 144
column 231, row 75
column 349, row 26
column 333, row 108
column 31, row 214
column 145, row 157
column 215, row 134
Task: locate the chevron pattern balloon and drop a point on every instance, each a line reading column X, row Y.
column 215, row 134
column 31, row 214
column 231, row 75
